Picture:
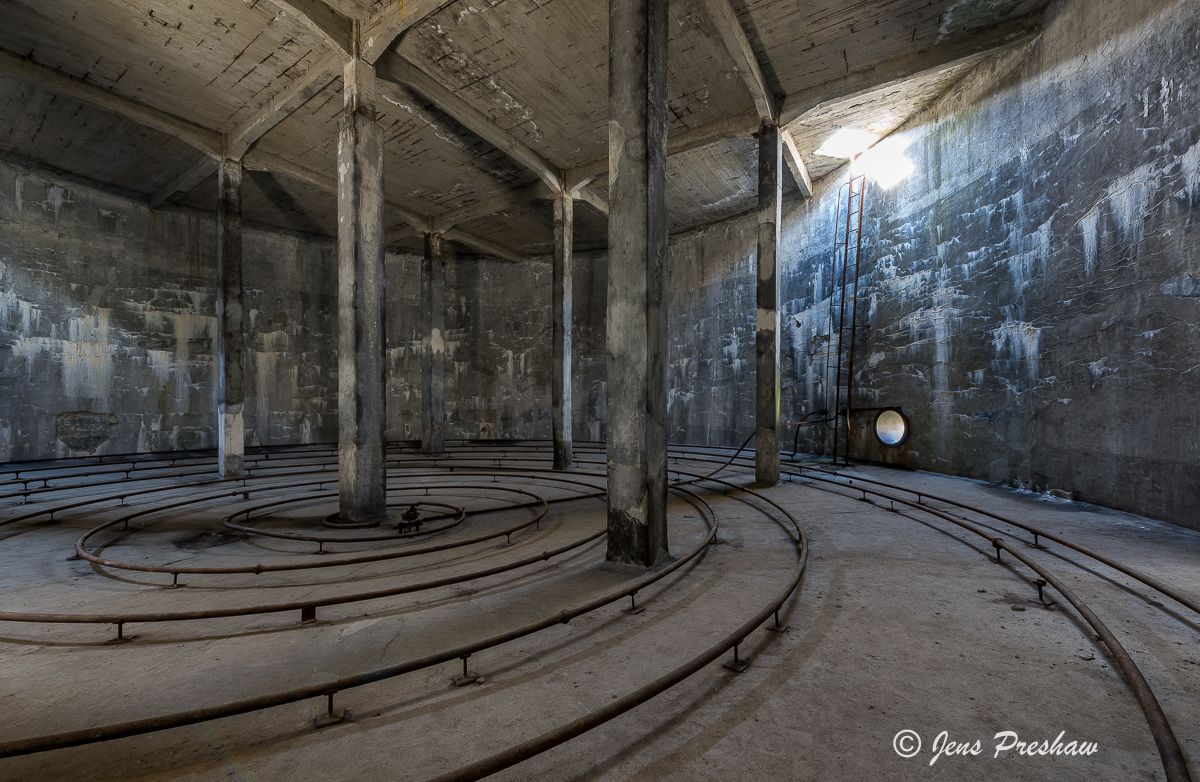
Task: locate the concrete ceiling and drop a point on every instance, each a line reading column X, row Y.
column 537, row 69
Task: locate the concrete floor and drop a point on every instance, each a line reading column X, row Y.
column 903, row 623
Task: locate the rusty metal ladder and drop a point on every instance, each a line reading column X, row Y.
column 843, row 312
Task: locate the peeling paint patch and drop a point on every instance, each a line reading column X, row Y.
column 1019, row 341
column 1129, row 198
column 1185, row 287
column 1190, row 161
column 84, row 431
column 56, row 199
column 1089, row 229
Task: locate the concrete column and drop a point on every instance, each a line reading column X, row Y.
column 563, row 413
column 433, row 346
column 231, row 391
column 766, row 406
column 637, row 307
column 362, row 467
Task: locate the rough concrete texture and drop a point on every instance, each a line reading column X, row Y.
column 1066, row 270
column 109, row 309
column 562, row 293
column 433, row 346
column 588, row 334
column 766, row 328
column 903, row 622
column 362, row 302
column 1029, row 288
column 231, row 328
column 636, row 337
column 497, row 342
column 711, row 297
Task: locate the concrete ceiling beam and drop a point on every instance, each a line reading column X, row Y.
column 380, row 32
column 333, row 27
column 205, row 139
column 791, row 154
column 194, row 175
column 959, row 50
column 318, row 76
column 264, row 161
column 258, row 160
column 489, row 206
column 396, row 69
column 590, row 197
column 737, row 43
column 725, row 22
column 736, row 126
column 483, row 245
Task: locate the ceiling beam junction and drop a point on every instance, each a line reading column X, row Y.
column 737, row 43
column 394, row 68
column 382, row 30
column 375, row 39
column 319, row 75
column 725, row 22
column 333, row 27
column 193, row 176
column 791, row 153
column 265, row 161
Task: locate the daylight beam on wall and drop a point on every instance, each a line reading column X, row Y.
column 959, row 50
column 206, row 140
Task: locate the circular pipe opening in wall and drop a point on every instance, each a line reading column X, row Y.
column 891, row 427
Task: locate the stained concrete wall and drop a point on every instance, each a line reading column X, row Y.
column 108, row 318
column 710, row 351
column 1033, row 290
column 1032, row 294
column 498, row 324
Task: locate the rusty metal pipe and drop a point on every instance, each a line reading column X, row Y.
column 191, row 717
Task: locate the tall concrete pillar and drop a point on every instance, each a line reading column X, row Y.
column 766, row 407
column 362, row 467
column 230, row 341
column 433, row 346
column 637, row 306
column 563, row 411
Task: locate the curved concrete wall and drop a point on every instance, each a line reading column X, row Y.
column 1033, row 289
